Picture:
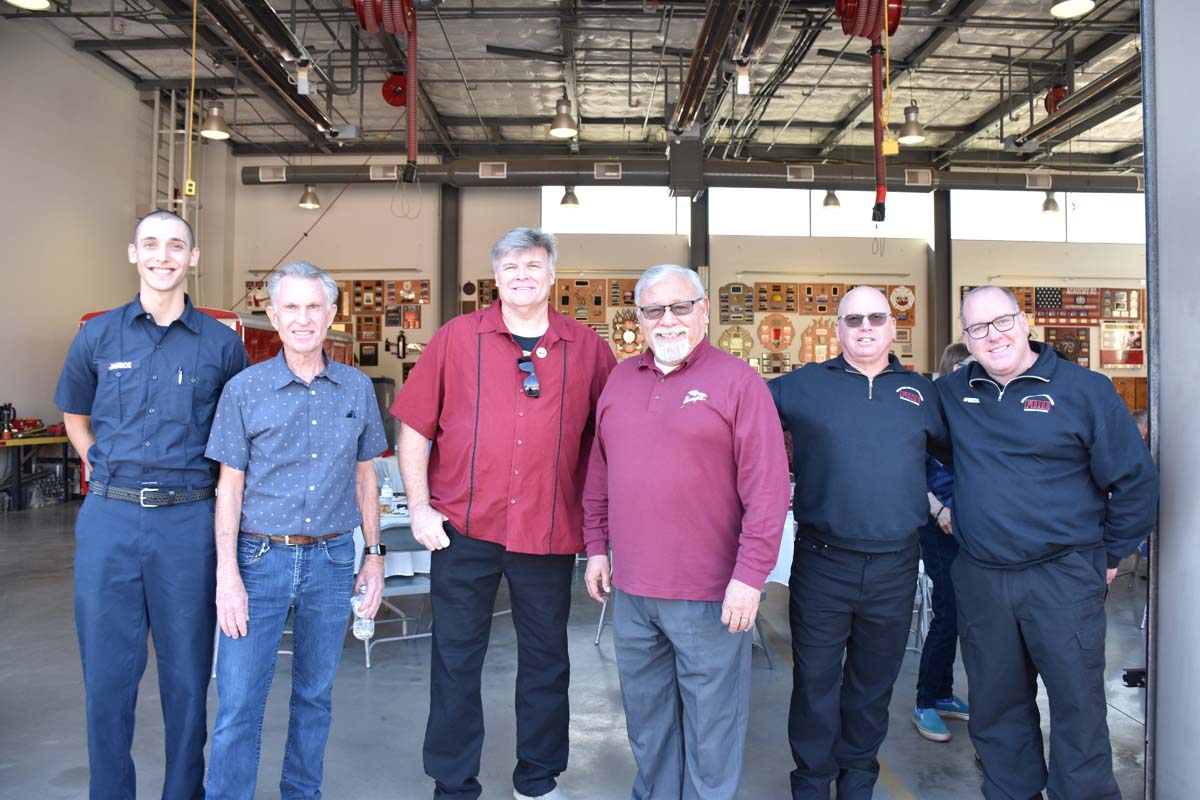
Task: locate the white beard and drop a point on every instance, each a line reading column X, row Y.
column 673, row 351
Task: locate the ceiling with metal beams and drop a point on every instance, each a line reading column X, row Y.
column 490, row 73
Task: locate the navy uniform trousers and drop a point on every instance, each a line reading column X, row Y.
column 1015, row 625
column 850, row 613
column 140, row 570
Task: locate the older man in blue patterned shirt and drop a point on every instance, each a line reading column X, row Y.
column 295, row 437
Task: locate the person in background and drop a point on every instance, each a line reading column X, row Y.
column 935, row 679
column 138, row 391
column 1141, row 418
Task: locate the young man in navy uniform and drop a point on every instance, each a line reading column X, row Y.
column 138, row 392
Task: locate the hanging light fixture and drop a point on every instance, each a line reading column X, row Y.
column 309, row 199
column 30, row 5
column 912, row 131
column 743, row 80
column 1050, row 205
column 569, row 199
column 831, row 199
column 1071, row 9
column 214, row 126
column 563, row 126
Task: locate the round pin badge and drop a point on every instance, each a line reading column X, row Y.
column 541, row 352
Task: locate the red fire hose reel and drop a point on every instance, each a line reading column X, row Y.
column 866, row 18
column 1055, row 96
column 397, row 17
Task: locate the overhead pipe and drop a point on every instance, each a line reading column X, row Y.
column 290, row 48
column 643, row 171
column 714, row 35
column 1087, row 102
column 760, row 22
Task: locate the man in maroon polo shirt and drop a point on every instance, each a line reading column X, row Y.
column 507, row 395
column 688, row 484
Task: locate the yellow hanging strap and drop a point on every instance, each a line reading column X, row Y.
column 189, row 185
column 891, row 147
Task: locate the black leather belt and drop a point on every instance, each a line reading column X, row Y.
column 150, row 496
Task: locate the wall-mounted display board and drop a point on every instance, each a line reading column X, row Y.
column 1074, row 343
column 487, row 292
column 407, row 292
column 627, row 334
column 903, row 300
column 737, row 341
column 368, row 296
column 370, row 327
column 368, row 355
column 902, row 345
column 344, row 327
column 775, row 333
column 1122, row 345
column 820, row 298
column 410, row 316
column 735, row 303
column 818, row 342
column 1121, row 304
column 1067, row 306
column 601, row 328
column 345, row 309
column 581, row 299
column 770, row 364
column 775, row 297
column 620, row 292
column 257, row 298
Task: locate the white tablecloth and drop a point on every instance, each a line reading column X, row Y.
column 406, row 563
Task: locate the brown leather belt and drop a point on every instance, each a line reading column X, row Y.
column 292, row 538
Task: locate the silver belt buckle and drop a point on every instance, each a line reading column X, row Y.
column 287, row 539
column 142, row 497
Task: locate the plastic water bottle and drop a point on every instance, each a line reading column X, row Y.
column 387, row 498
column 364, row 627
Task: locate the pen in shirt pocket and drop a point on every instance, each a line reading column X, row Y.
column 350, row 414
column 179, row 377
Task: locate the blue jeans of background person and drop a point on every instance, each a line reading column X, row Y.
column 317, row 580
column 140, row 570
column 465, row 577
column 935, row 680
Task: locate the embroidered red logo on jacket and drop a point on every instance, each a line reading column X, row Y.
column 910, row 395
column 1038, row 402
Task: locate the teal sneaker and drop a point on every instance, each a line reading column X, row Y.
column 953, row 707
column 930, row 725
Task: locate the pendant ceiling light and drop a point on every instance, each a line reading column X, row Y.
column 1070, row 9
column 309, row 199
column 214, row 126
column 30, row 5
column 831, row 200
column 569, row 199
column 563, row 126
column 912, row 131
column 1050, row 205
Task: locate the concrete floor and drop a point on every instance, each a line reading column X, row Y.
column 379, row 714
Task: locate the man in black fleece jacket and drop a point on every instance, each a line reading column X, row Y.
column 1053, row 487
column 861, row 424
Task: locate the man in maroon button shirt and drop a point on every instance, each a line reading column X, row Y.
column 507, row 396
column 688, row 484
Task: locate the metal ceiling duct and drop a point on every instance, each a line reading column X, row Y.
column 655, row 172
column 714, row 36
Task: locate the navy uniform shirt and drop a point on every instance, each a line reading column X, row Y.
column 299, row 445
column 150, row 393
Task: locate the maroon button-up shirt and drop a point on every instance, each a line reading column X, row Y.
column 507, row 468
column 688, row 477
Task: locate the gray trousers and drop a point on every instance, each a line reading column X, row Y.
column 685, row 684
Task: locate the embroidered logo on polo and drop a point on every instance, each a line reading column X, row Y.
column 974, row 400
column 694, row 396
column 1041, row 403
column 910, row 395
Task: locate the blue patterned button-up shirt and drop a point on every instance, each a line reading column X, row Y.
column 299, row 445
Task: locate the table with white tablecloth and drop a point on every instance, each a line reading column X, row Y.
column 406, row 563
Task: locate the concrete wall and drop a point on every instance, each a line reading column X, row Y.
column 74, row 156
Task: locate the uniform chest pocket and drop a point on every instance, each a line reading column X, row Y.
column 206, row 391
column 171, row 397
column 120, row 390
column 345, row 432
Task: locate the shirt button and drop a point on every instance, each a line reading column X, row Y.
column 314, row 422
column 308, row 519
column 520, row 413
column 516, row 472
column 662, row 380
column 150, row 410
column 314, row 455
column 312, row 391
column 146, row 444
column 153, row 377
column 656, row 397
column 512, row 502
column 312, row 488
column 518, row 441
column 158, row 347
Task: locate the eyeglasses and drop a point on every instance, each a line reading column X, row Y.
column 856, row 320
column 530, row 385
column 1001, row 324
column 680, row 309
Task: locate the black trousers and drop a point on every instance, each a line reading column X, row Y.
column 1017, row 624
column 850, row 613
column 464, row 578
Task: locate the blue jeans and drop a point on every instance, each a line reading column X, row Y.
column 316, row 580
column 935, row 680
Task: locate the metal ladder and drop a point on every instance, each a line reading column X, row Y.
column 168, row 166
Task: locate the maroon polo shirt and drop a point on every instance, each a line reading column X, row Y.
column 504, row 467
column 688, row 478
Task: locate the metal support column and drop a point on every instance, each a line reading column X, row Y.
column 1173, row 284
column 449, row 252
column 698, row 252
column 940, row 280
